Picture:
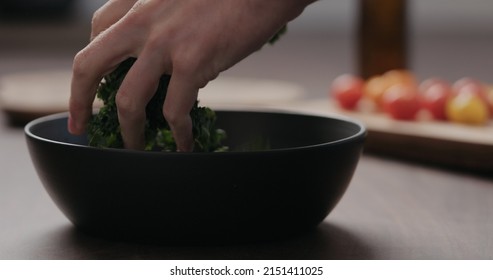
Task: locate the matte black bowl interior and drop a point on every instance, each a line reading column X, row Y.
column 242, row 194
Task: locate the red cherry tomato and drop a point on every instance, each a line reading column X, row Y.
column 468, row 84
column 424, row 85
column 434, row 96
column 375, row 86
column 347, row 89
column 401, row 102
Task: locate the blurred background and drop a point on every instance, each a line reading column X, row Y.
column 447, row 38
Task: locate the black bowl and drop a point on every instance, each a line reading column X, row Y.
column 244, row 194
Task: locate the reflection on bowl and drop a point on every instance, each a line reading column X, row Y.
column 237, row 195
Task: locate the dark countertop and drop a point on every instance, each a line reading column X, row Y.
column 392, row 210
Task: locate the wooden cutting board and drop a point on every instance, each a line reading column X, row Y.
column 28, row 95
column 448, row 144
column 25, row 96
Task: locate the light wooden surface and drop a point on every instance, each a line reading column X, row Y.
column 26, row 95
column 444, row 143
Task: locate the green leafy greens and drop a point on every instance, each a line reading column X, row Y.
column 104, row 128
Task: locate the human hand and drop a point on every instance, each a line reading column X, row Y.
column 191, row 40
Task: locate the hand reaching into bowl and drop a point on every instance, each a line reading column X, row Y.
column 191, row 40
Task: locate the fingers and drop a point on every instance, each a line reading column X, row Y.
column 121, row 30
column 84, row 84
column 180, row 98
column 137, row 89
column 99, row 58
column 113, row 44
column 109, row 14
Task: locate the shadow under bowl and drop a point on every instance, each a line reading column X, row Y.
column 239, row 195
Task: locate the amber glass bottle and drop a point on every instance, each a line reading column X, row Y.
column 382, row 36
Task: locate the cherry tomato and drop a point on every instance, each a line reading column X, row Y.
column 347, row 89
column 434, row 96
column 467, row 108
column 401, row 77
column 424, row 85
column 489, row 95
column 472, row 86
column 401, row 102
column 468, row 84
column 376, row 86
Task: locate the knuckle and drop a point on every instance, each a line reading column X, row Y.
column 185, row 63
column 196, row 73
column 135, row 18
column 129, row 108
column 123, row 102
column 79, row 68
column 154, row 43
column 126, row 106
column 170, row 115
column 96, row 18
column 177, row 119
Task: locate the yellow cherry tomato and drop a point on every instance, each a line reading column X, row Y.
column 374, row 88
column 468, row 109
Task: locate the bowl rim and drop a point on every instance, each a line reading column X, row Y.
column 361, row 134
